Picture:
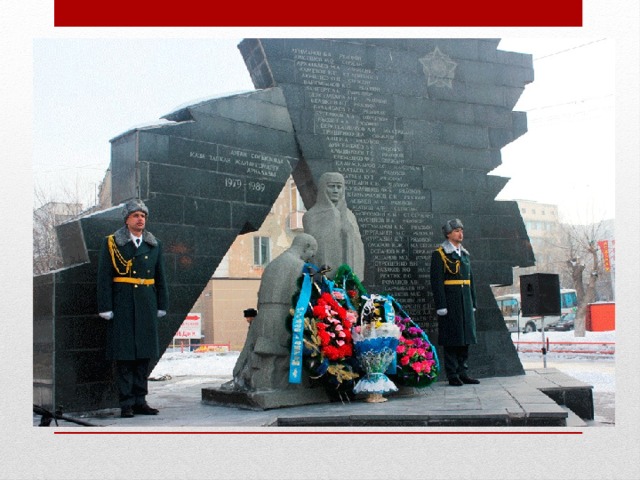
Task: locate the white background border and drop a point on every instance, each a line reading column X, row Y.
column 29, row 452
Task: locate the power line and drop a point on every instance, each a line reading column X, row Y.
column 569, row 49
column 573, row 102
column 580, row 113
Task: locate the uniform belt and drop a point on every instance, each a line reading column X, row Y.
column 457, row 282
column 136, row 281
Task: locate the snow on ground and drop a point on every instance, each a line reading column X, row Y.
column 574, row 356
column 609, row 336
column 215, row 364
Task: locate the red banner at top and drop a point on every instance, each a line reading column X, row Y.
column 604, row 247
column 331, row 13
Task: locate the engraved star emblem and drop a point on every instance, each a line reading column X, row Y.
column 438, row 68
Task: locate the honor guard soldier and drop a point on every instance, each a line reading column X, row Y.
column 455, row 302
column 132, row 295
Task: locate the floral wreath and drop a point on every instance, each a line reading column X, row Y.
column 417, row 361
column 333, row 324
column 328, row 348
column 327, row 341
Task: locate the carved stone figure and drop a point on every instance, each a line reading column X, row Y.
column 334, row 227
column 263, row 363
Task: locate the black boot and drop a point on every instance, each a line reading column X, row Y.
column 145, row 409
column 469, row 380
column 126, row 412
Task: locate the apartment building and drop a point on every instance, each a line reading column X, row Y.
column 235, row 283
column 544, row 230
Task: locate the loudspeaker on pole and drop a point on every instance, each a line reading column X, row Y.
column 540, row 294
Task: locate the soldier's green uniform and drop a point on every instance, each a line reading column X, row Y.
column 455, row 302
column 132, row 294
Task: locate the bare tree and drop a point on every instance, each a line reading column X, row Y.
column 583, row 248
column 46, row 254
column 550, row 254
column 576, row 270
column 574, row 255
column 50, row 210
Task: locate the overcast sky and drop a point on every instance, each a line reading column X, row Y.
column 87, row 91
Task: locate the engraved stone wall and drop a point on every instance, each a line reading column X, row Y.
column 415, row 126
column 207, row 176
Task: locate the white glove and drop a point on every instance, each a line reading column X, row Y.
column 441, row 311
column 161, row 313
column 106, row 315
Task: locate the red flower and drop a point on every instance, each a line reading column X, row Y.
column 334, row 330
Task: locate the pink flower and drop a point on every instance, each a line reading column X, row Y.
column 417, row 366
column 404, row 360
column 401, row 348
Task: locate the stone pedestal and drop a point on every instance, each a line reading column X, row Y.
column 265, row 399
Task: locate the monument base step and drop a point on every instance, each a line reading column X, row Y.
column 264, row 399
column 540, row 398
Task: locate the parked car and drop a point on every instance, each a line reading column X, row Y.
column 565, row 323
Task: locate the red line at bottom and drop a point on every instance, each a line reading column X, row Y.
column 319, row 433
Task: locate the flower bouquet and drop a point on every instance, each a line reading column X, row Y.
column 380, row 344
column 418, row 364
column 375, row 339
column 327, row 343
column 333, row 324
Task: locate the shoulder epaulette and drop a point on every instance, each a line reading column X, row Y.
column 117, row 258
column 447, row 262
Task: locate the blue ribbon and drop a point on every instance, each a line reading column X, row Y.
column 297, row 327
column 389, row 313
column 390, row 317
